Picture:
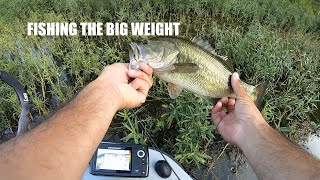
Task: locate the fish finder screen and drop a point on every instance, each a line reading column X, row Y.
column 113, row 159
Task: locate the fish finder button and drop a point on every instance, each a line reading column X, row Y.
column 141, row 154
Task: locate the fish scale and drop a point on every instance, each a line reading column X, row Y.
column 204, row 81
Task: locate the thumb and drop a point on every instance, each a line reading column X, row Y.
column 237, row 86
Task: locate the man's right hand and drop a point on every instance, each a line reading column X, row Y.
column 128, row 88
column 242, row 118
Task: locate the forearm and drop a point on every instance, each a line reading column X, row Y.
column 61, row 147
column 272, row 156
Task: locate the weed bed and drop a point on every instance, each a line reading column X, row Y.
column 266, row 41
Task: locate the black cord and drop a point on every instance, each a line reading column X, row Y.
column 154, row 145
column 23, row 98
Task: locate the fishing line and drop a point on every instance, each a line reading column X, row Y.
column 154, row 145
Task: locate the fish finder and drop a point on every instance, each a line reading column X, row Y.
column 120, row 159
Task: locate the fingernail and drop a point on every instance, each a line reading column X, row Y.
column 236, row 75
column 132, row 71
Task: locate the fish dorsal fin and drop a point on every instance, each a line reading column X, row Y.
column 228, row 64
column 184, row 68
column 174, row 90
column 205, row 44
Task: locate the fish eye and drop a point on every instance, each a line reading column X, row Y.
column 145, row 41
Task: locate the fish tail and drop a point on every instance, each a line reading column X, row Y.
column 260, row 90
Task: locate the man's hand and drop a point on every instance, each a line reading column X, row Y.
column 270, row 154
column 76, row 130
column 117, row 78
column 241, row 118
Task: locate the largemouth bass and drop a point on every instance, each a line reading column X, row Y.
column 191, row 65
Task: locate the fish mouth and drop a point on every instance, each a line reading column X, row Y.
column 135, row 57
column 138, row 54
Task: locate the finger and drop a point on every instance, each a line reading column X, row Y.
column 217, row 121
column 231, row 102
column 230, row 108
column 146, row 68
column 141, row 86
column 120, row 69
column 222, row 114
column 126, row 65
column 224, row 101
column 231, row 105
column 217, row 113
column 141, row 75
column 217, row 108
column 237, row 86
